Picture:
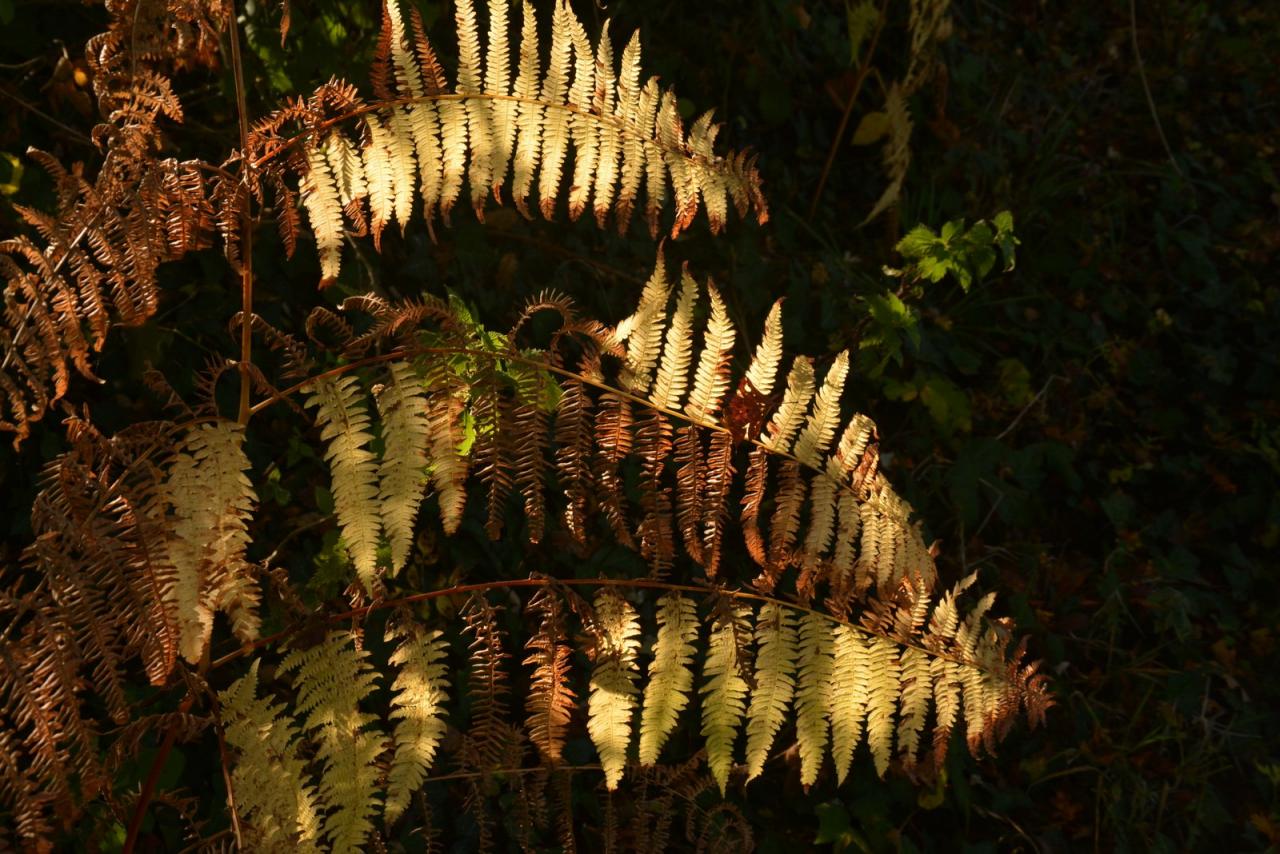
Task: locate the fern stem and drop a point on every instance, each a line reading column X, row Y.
column 246, row 225
column 281, row 394
column 153, row 777
column 634, row 583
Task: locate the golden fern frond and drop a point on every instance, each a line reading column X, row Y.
column 550, row 701
column 883, row 674
column 581, row 115
column 642, row 331
column 343, row 420
column 445, row 406
column 917, row 691
column 768, row 356
column 669, row 680
column 795, row 402
column 418, row 707
column 613, row 682
column 333, row 678
column 711, row 381
column 402, row 474
column 211, row 500
column 677, row 351
column 815, row 663
column 319, row 196
column 286, row 815
column 847, row 700
column 724, row 690
column 776, row 657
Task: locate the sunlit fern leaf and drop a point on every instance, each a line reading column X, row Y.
column 211, row 499
column 333, row 678
column 790, row 413
column 883, row 691
column 418, row 708
column 917, row 691
column 847, row 698
column 343, row 419
column 677, row 351
column 550, row 700
column 774, row 682
column 723, row 691
column 580, row 115
column 287, row 814
column 642, row 331
column 768, row 356
column 402, row 474
column 445, row 406
column 320, row 198
column 670, row 678
column 813, row 688
column 711, row 381
column 613, row 682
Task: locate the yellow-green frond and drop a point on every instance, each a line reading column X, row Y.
column 666, row 693
column 402, row 475
column 764, row 364
column 774, row 682
column 332, row 679
column 712, row 378
column 284, row 816
column 813, row 688
column 724, row 692
column 343, row 419
column 613, row 683
column 420, row 691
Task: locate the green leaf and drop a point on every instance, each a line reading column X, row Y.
column 861, row 19
column 833, row 823
column 871, row 127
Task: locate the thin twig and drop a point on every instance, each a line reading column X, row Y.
column 153, row 777
column 848, row 111
column 1142, row 75
column 246, row 225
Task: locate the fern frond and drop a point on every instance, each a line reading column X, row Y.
column 724, row 692
column 677, row 351
column 711, row 381
column 883, row 691
column 402, row 474
column 795, row 402
column 550, row 701
column 333, row 678
column 666, row 691
column 613, row 682
column 284, row 816
column 580, row 115
column 774, row 682
column 343, row 420
column 486, row 684
column 320, row 198
column 211, row 499
column 420, row 691
column 847, row 700
column 815, row 664
column 768, row 356
column 917, row 691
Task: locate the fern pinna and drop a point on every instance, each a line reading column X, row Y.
column 748, row 579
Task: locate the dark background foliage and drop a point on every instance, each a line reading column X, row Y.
column 1097, row 432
